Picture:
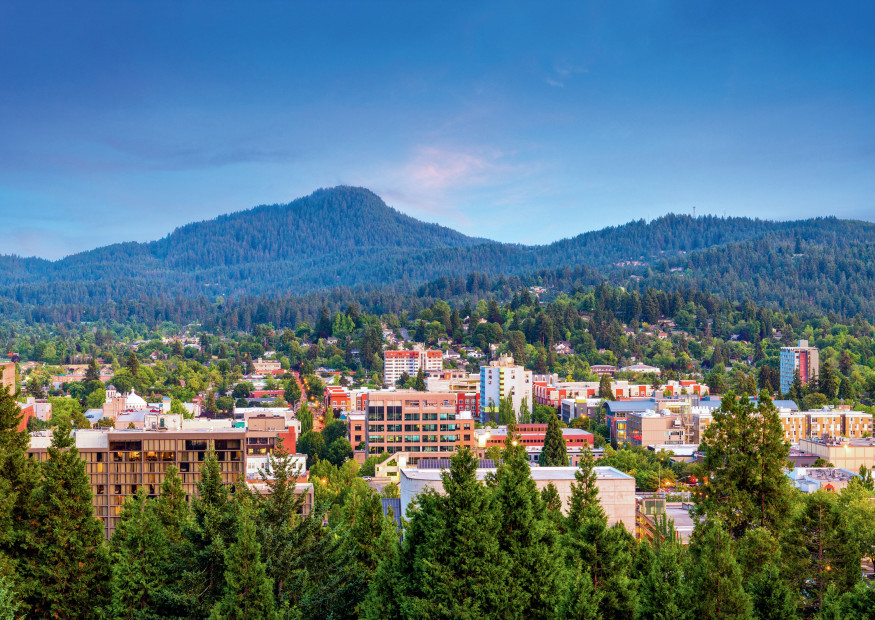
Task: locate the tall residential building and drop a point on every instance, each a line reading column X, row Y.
column 803, row 358
column 503, row 379
column 415, row 422
column 398, row 362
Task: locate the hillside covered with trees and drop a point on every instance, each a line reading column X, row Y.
column 348, row 237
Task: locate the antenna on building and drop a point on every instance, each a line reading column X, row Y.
column 694, row 211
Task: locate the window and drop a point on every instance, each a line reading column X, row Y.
column 411, row 427
column 429, row 427
column 411, row 438
column 411, row 416
column 393, row 428
column 430, row 438
column 376, row 428
column 195, row 444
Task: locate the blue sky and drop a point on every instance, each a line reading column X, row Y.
column 522, row 122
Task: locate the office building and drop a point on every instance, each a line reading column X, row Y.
column 118, row 462
column 803, row 358
column 414, row 422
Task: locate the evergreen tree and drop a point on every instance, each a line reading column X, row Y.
column 525, row 414
column 140, row 553
column 210, row 407
column 505, row 411
column 527, row 538
column 305, row 416
column 249, row 593
column 9, row 604
column 715, row 577
column 846, row 390
column 745, row 456
column 292, row 393
column 554, row 452
column 132, row 363
column 443, row 570
column 856, row 604
column 605, row 388
column 370, row 538
column 211, row 528
column 796, row 392
column 68, row 558
column 828, row 382
column 419, row 383
column 92, row 373
column 822, row 549
column 18, row 478
column 661, row 582
column 764, row 575
column 591, row 545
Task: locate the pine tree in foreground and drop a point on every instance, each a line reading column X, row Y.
column 68, row 558
column 140, row 551
column 606, row 552
column 527, row 537
column 249, row 591
column 18, row 478
column 715, row 578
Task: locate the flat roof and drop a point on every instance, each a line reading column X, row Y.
column 537, row 473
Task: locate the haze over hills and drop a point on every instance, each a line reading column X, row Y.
column 346, row 236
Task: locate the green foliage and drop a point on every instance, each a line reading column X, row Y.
column 249, row 591
column 715, row 571
column 75, row 582
column 554, row 452
column 745, row 455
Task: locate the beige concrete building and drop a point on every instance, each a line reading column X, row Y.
column 616, row 489
column 842, row 452
column 7, row 376
column 647, row 428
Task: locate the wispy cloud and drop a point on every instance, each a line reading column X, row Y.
column 438, row 169
column 559, row 75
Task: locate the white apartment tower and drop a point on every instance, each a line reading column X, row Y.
column 398, row 362
column 503, row 379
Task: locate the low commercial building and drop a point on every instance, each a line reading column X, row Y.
column 811, row 479
column 842, row 452
column 616, row 489
column 532, row 437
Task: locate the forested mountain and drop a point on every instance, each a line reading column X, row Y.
column 348, row 237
